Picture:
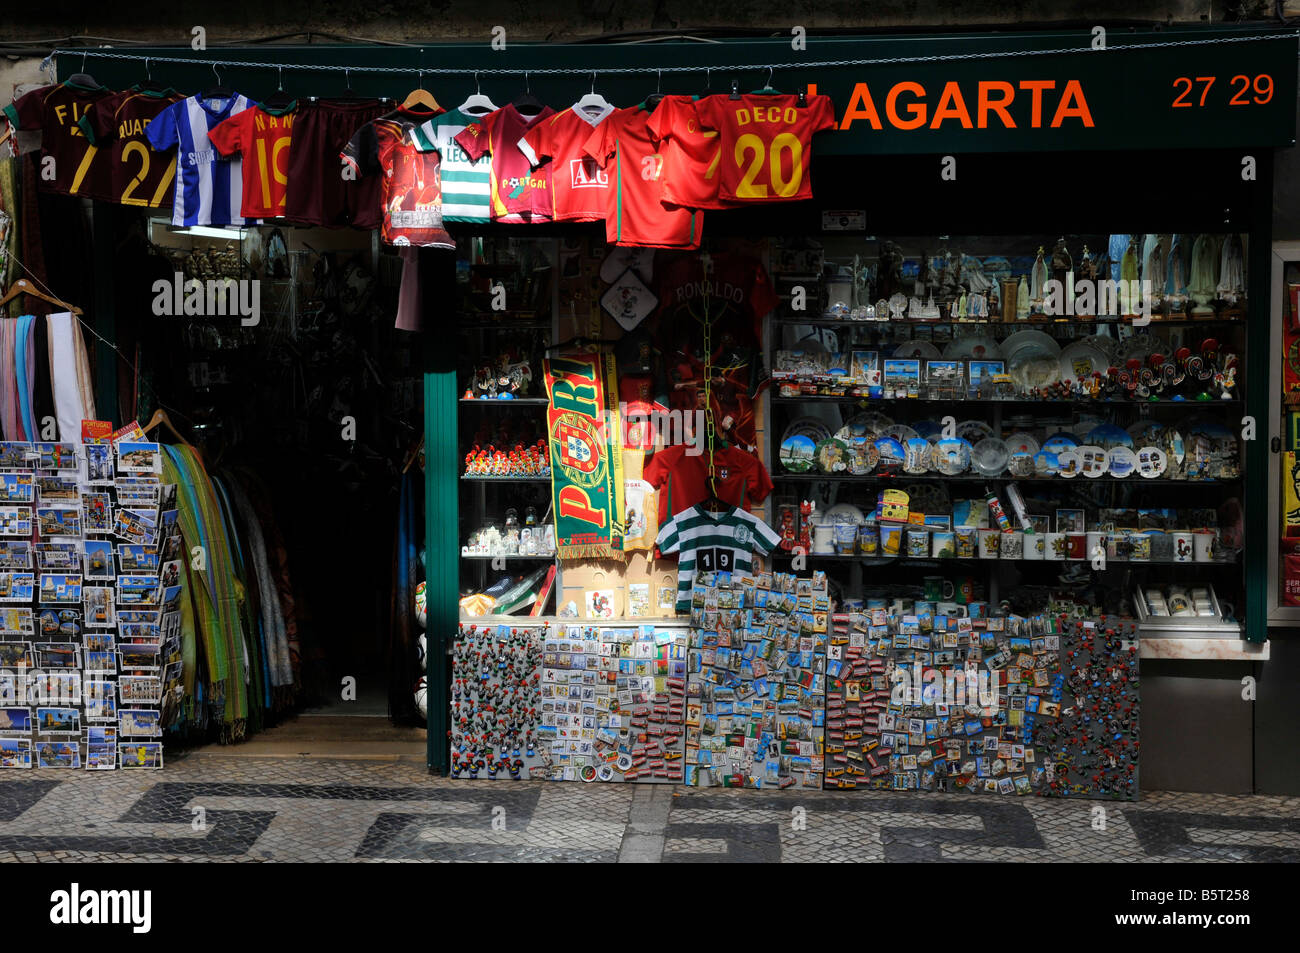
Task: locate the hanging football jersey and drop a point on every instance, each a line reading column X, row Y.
column 209, row 188
column 70, row 163
column 116, row 125
column 634, row 213
column 766, row 144
column 578, row 185
column 692, row 155
column 412, row 193
column 713, row 542
column 520, row 193
column 261, row 138
column 466, row 182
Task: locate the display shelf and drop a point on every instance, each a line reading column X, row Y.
column 506, row 479
column 497, row 402
column 900, row 478
column 549, row 557
column 505, row 325
column 881, row 561
column 1085, row 401
column 623, row 622
column 823, row 322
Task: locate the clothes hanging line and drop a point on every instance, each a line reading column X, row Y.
column 610, row 70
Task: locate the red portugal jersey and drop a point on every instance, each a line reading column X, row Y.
column 766, row 143
column 77, row 168
column 412, row 192
column 579, row 187
column 520, row 193
column 137, row 175
column 635, row 215
column 261, row 137
column 682, row 478
column 691, row 154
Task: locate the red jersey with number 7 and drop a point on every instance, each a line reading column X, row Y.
column 766, row 144
column 634, row 213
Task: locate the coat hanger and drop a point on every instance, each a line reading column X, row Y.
column 655, row 98
column 23, row 286
column 150, row 85
column 278, row 100
column 220, row 91
column 593, row 101
column 708, row 83
column 526, row 103
column 420, row 98
column 83, row 78
column 477, row 104
column 768, row 89
column 160, row 417
column 413, row 455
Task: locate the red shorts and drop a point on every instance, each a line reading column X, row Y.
column 317, row 192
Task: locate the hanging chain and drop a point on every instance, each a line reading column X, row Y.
column 709, row 429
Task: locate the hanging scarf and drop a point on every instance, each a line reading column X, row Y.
column 74, row 399
column 277, row 644
column 25, row 362
column 216, row 601
column 10, row 419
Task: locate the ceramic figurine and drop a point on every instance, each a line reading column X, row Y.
column 1037, row 279
column 1176, row 274
column 1022, row 300
column 1153, row 266
column 1232, row 279
column 1128, row 273
column 1205, row 274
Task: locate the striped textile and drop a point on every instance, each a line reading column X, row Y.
column 708, row 542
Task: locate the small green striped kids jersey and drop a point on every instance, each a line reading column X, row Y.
column 713, row 542
column 466, row 182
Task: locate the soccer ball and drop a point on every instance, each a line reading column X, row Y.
column 421, row 606
column 422, row 697
column 422, row 653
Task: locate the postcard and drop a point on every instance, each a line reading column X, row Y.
column 139, row 722
column 60, row 519
column 140, row 689
column 15, row 554
column 56, row 655
column 171, row 599
column 58, row 754
column 101, row 757
column 15, row 753
column 17, row 586
column 99, row 607
column 102, row 662
column 16, row 521
column 97, row 560
column 61, row 588
column 138, row 616
column 58, row 721
column 13, row 688
column 171, row 544
column 171, row 573
column 16, row 655
column 141, row 754
column 902, row 374
column 15, row 721
column 943, row 374
column 167, row 495
column 97, row 513
column 56, row 623
column 57, row 489
column 982, row 373
column 17, row 487
column 16, row 622
column 16, row 455
column 137, row 558
column 56, row 456
column 136, row 457
column 137, row 590
column 101, row 703
column 139, row 656
column 136, row 526
column 59, row 557
column 99, row 463
column 54, row 688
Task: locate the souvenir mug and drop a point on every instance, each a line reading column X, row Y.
column 963, row 589
column 1012, row 545
column 918, row 542
column 951, row 609
column 1035, row 546
column 943, row 544
column 937, row 588
column 1056, row 546
column 824, row 539
column 1184, row 547
column 1117, row 547
column 1076, row 546
column 868, row 539
column 891, row 539
column 966, row 539
column 1204, row 543
column 989, row 543
column 1139, row 547
column 846, row 538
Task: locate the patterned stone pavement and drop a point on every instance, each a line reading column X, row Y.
column 330, row 810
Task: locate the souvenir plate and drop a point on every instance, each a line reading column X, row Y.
column 917, row 349
column 952, row 455
column 1121, row 461
column 1020, row 464
column 1059, row 442
column 1032, row 358
column 863, row 456
column 1108, row 436
column 916, row 455
column 1069, row 464
column 973, row 431
column 798, row 453
column 900, row 432
column 1022, row 443
column 1046, row 463
column 990, row 456
column 844, row 513
column 867, row 424
column 832, row 456
column 1082, row 359
column 1093, row 460
column 1152, row 462
column 890, row 454
column 977, row 347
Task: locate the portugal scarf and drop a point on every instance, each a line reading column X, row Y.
column 586, row 457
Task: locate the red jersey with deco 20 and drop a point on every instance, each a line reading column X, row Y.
column 682, row 479
column 766, row 144
column 262, row 138
column 519, row 192
column 692, row 155
column 635, row 213
column 578, row 185
column 78, row 167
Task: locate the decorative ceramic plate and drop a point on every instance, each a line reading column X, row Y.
column 1121, row 461
column 1021, row 464
column 1022, row 443
column 863, row 456
column 1069, row 464
column 832, row 456
column 1060, row 441
column 900, row 432
column 917, row 349
column 1046, row 463
column 844, row 513
column 1032, row 359
column 1081, row 359
column 1152, row 462
column 973, row 431
column 798, row 453
column 990, row 456
column 952, row 455
column 890, row 454
column 978, row 347
column 1109, row 436
column 916, row 455
column 1093, row 459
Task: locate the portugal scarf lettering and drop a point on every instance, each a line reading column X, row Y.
column 586, row 457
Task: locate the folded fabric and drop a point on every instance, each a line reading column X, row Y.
column 74, row 399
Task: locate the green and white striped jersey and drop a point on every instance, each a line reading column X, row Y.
column 466, row 183
column 708, row 542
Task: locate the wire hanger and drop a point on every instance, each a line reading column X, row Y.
column 593, row 102
column 528, row 104
column 220, row 91
column 708, row 83
column 150, row 85
column 477, row 104
column 421, row 98
column 23, row 286
column 83, row 78
column 655, row 98
column 278, row 100
column 768, row 89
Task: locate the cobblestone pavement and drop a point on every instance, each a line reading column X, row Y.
column 322, row 810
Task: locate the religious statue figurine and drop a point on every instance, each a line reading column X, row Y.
column 1022, row 300
column 1037, row 279
column 1232, row 281
column 961, row 306
column 978, row 306
column 1062, row 265
column 1115, row 247
column 1128, row 274
column 1204, row 277
column 1176, row 274
column 1153, row 267
column 1087, row 267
